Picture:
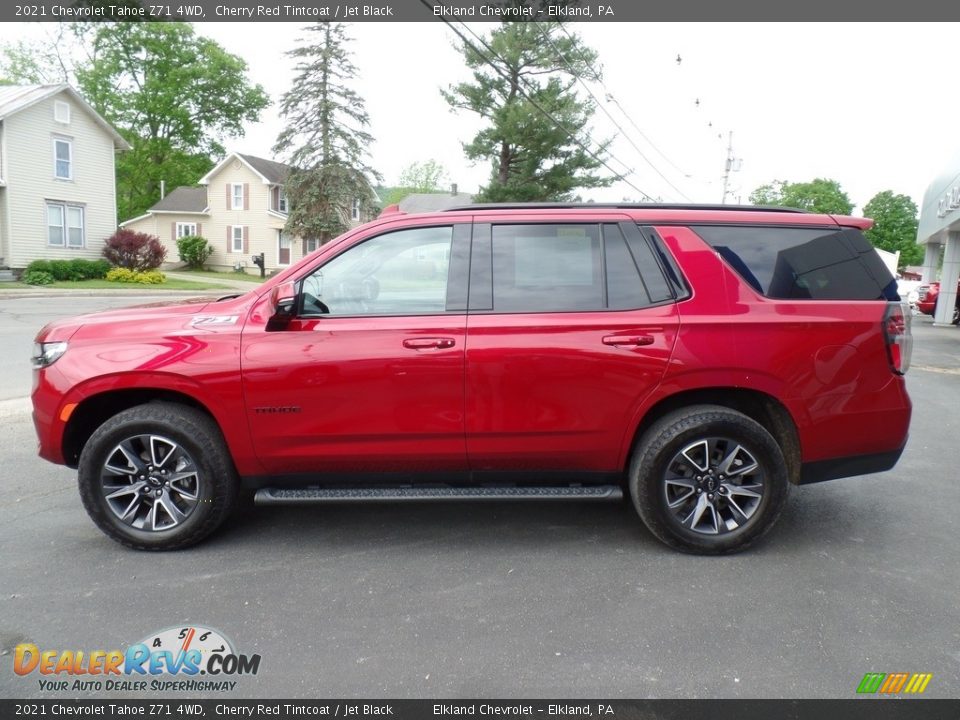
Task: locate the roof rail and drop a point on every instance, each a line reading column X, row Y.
column 621, row 206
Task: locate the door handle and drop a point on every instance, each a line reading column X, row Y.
column 635, row 340
column 438, row 343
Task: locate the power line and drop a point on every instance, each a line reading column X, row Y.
column 640, row 152
column 620, row 176
column 521, row 91
column 609, row 95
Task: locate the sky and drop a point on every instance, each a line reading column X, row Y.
column 868, row 105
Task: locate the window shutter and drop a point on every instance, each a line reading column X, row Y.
column 173, row 232
column 229, row 239
column 229, row 204
column 246, row 196
column 246, row 238
column 200, row 229
column 304, row 248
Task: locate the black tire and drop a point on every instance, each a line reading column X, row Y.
column 956, row 315
column 710, row 435
column 200, row 457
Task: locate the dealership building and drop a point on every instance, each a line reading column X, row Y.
column 940, row 226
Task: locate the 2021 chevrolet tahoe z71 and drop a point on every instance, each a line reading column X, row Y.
column 700, row 359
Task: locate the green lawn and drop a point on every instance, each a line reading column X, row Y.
column 170, row 284
column 213, row 274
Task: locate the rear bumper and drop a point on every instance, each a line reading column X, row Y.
column 820, row 470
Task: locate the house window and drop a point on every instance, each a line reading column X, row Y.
column 282, row 203
column 62, row 159
column 186, row 229
column 61, row 112
column 355, row 212
column 65, row 226
column 309, row 246
column 237, row 196
column 237, row 235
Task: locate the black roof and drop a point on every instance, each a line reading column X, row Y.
column 622, row 206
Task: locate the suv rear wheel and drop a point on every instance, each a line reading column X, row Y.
column 707, row 479
column 157, row 477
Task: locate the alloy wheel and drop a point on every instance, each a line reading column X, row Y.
column 150, row 483
column 713, row 486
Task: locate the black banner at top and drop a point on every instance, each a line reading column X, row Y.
column 290, row 709
column 308, row 11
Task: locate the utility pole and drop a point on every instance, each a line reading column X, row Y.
column 732, row 164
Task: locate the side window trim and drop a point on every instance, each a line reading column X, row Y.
column 458, row 272
column 481, row 269
column 669, row 270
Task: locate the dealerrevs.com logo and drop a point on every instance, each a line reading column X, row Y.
column 169, row 660
column 894, row 683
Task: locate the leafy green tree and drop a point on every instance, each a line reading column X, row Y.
column 895, row 226
column 527, row 70
column 325, row 138
column 25, row 63
column 175, row 96
column 428, row 176
column 819, row 195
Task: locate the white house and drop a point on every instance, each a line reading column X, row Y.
column 57, row 182
column 240, row 208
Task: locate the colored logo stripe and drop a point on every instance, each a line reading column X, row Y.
column 918, row 683
column 890, row 684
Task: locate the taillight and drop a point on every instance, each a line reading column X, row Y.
column 896, row 332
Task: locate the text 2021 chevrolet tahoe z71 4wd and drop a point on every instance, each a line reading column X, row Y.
column 700, row 359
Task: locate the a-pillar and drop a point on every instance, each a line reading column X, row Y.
column 947, row 300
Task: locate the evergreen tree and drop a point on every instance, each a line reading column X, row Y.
column 537, row 126
column 326, row 138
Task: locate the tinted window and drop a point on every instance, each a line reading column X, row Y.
column 804, row 263
column 403, row 272
column 625, row 289
column 547, row 268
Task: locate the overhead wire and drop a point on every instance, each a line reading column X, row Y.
column 522, row 92
column 597, row 78
column 619, row 127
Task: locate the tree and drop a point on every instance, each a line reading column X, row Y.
column 895, row 226
column 173, row 95
column 537, row 126
column 819, row 195
column 326, row 137
column 428, row 176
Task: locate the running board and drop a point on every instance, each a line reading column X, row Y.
column 282, row 496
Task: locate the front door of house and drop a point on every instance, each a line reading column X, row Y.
column 283, row 248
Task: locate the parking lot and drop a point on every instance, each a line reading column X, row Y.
column 495, row 600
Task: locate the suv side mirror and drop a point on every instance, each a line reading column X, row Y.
column 283, row 303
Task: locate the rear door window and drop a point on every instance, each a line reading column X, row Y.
column 564, row 268
column 800, row 263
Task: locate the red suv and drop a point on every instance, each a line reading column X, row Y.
column 700, row 359
column 927, row 297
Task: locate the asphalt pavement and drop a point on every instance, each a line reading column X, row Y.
column 499, row 600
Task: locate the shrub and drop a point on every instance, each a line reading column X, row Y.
column 61, row 270
column 133, row 250
column 194, row 250
column 38, row 266
column 145, row 277
column 89, row 269
column 37, row 277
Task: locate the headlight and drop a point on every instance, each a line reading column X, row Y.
column 45, row 354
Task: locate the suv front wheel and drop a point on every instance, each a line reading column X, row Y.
column 707, row 479
column 157, row 477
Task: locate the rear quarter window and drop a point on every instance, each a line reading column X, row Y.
column 800, row 263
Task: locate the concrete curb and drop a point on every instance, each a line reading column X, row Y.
column 173, row 294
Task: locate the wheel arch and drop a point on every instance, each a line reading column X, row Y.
column 755, row 404
column 96, row 409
